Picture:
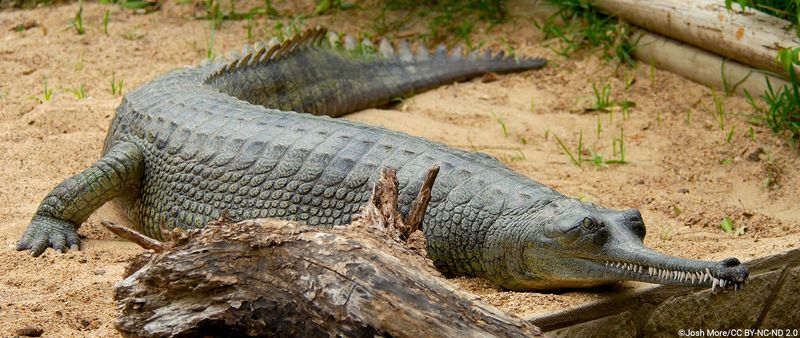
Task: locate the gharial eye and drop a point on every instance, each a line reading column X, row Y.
column 588, row 223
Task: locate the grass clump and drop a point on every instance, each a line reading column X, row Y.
column 502, row 123
column 592, row 156
column 79, row 91
column 47, row 92
column 602, row 98
column 445, row 18
column 105, row 21
column 578, row 24
column 77, row 22
column 782, row 111
column 116, row 85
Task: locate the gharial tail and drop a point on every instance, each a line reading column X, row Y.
column 317, row 72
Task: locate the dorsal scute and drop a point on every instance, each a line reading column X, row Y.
column 263, row 54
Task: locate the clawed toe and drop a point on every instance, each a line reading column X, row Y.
column 44, row 232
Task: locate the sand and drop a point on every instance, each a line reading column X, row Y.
column 682, row 172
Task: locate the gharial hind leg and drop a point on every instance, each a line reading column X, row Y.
column 56, row 221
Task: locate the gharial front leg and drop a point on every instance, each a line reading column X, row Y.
column 56, row 222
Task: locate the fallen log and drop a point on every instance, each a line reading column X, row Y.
column 279, row 278
column 702, row 66
column 668, row 52
column 752, row 38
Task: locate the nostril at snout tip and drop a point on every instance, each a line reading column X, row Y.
column 732, row 269
column 730, row 262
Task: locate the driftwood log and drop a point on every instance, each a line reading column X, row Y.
column 668, row 52
column 752, row 38
column 279, row 278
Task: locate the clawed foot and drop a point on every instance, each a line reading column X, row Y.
column 46, row 232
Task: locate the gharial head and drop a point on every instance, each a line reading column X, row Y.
column 566, row 243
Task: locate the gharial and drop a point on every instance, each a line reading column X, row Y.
column 226, row 136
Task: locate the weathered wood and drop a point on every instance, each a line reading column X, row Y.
column 133, row 236
column 417, row 213
column 694, row 63
column 278, row 278
column 700, row 65
column 752, row 38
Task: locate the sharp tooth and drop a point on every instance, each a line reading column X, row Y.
column 714, row 285
column 682, row 276
column 735, row 287
column 641, row 270
column 691, row 276
column 674, row 274
column 650, row 270
column 722, row 283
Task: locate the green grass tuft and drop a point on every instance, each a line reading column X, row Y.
column 105, row 21
column 569, row 153
column 501, row 123
column 79, row 91
column 47, row 93
column 602, row 98
column 116, row 85
column 782, row 111
column 578, row 24
column 77, row 22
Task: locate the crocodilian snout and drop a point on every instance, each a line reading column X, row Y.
column 730, row 273
column 645, row 265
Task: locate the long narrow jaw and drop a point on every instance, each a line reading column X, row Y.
column 652, row 267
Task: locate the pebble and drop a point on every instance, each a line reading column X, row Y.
column 82, row 259
column 683, row 190
column 30, row 331
column 99, row 272
column 755, row 156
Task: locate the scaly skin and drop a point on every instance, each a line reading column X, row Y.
column 198, row 141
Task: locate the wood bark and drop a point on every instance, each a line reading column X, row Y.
column 752, row 38
column 701, row 66
column 279, row 278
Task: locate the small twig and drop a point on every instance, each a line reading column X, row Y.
column 133, row 236
column 417, row 213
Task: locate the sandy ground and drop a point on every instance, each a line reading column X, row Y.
column 681, row 171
